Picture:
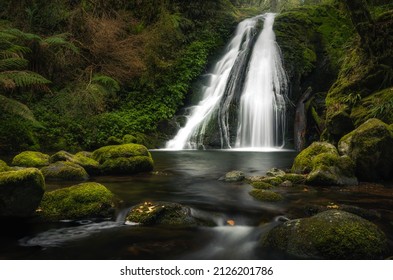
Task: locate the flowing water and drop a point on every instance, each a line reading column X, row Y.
column 189, row 178
column 247, row 89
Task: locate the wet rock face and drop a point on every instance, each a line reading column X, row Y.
column 332, row 234
column 20, row 192
column 370, row 146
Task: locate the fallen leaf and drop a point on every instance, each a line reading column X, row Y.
column 231, row 222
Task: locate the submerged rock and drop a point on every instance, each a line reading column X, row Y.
column 86, row 200
column 370, row 146
column 64, row 170
column 162, row 213
column 265, row 195
column 331, row 234
column 31, row 159
column 20, row 192
column 233, row 176
column 124, row 159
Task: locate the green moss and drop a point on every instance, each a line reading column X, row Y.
column 116, row 151
column 370, row 146
column 303, row 161
column 61, row 156
column 331, row 234
column 261, row 185
column 20, row 192
column 86, row 200
column 3, row 166
column 89, row 164
column 127, row 166
column 64, row 170
column 275, row 181
column 31, row 159
column 264, row 195
column 294, row 178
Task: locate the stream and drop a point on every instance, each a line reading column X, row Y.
column 190, row 178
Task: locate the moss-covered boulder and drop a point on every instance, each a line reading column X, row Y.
column 124, row 159
column 331, row 234
column 293, row 177
column 83, row 159
column 265, row 195
column 20, row 192
column 31, row 159
column 4, row 166
column 86, row 200
column 370, row 146
column 162, row 213
column 274, row 172
column 64, row 170
column 331, row 169
column 261, row 185
column 233, row 176
column 303, row 161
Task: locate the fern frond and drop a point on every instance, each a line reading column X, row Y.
column 107, row 82
column 23, row 78
column 13, row 64
column 22, row 35
column 14, row 107
column 60, row 41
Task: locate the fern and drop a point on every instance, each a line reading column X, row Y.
column 14, row 107
column 108, row 83
column 60, row 41
column 13, row 64
column 21, row 79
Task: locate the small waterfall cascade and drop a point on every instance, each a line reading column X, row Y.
column 246, row 90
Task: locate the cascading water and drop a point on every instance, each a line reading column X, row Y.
column 250, row 78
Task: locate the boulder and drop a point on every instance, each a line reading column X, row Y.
column 331, row 169
column 274, row 172
column 265, row 195
column 293, row 177
column 124, row 159
column 86, row 200
column 332, row 234
column 64, row 170
column 20, row 192
column 303, row 161
column 83, row 159
column 370, row 146
column 31, row 159
column 261, row 185
column 233, row 176
column 162, row 213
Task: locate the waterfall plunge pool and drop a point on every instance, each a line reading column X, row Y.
column 189, row 178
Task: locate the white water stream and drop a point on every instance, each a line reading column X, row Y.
column 251, row 77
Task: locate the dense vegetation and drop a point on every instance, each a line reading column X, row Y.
column 82, row 74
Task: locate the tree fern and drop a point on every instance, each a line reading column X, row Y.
column 14, row 107
column 12, row 79
column 13, row 64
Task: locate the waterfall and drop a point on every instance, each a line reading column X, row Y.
column 250, row 78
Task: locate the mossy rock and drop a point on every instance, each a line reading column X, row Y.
column 83, row 159
column 332, row 234
column 65, row 171
column 20, row 192
column 162, row 213
column 119, row 151
column 4, row 166
column 31, row 159
column 261, row 185
column 264, row 195
column 86, row 200
column 127, row 166
column 233, row 176
column 370, row 146
column 124, row 159
column 275, row 181
column 275, row 172
column 331, row 169
column 303, row 161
